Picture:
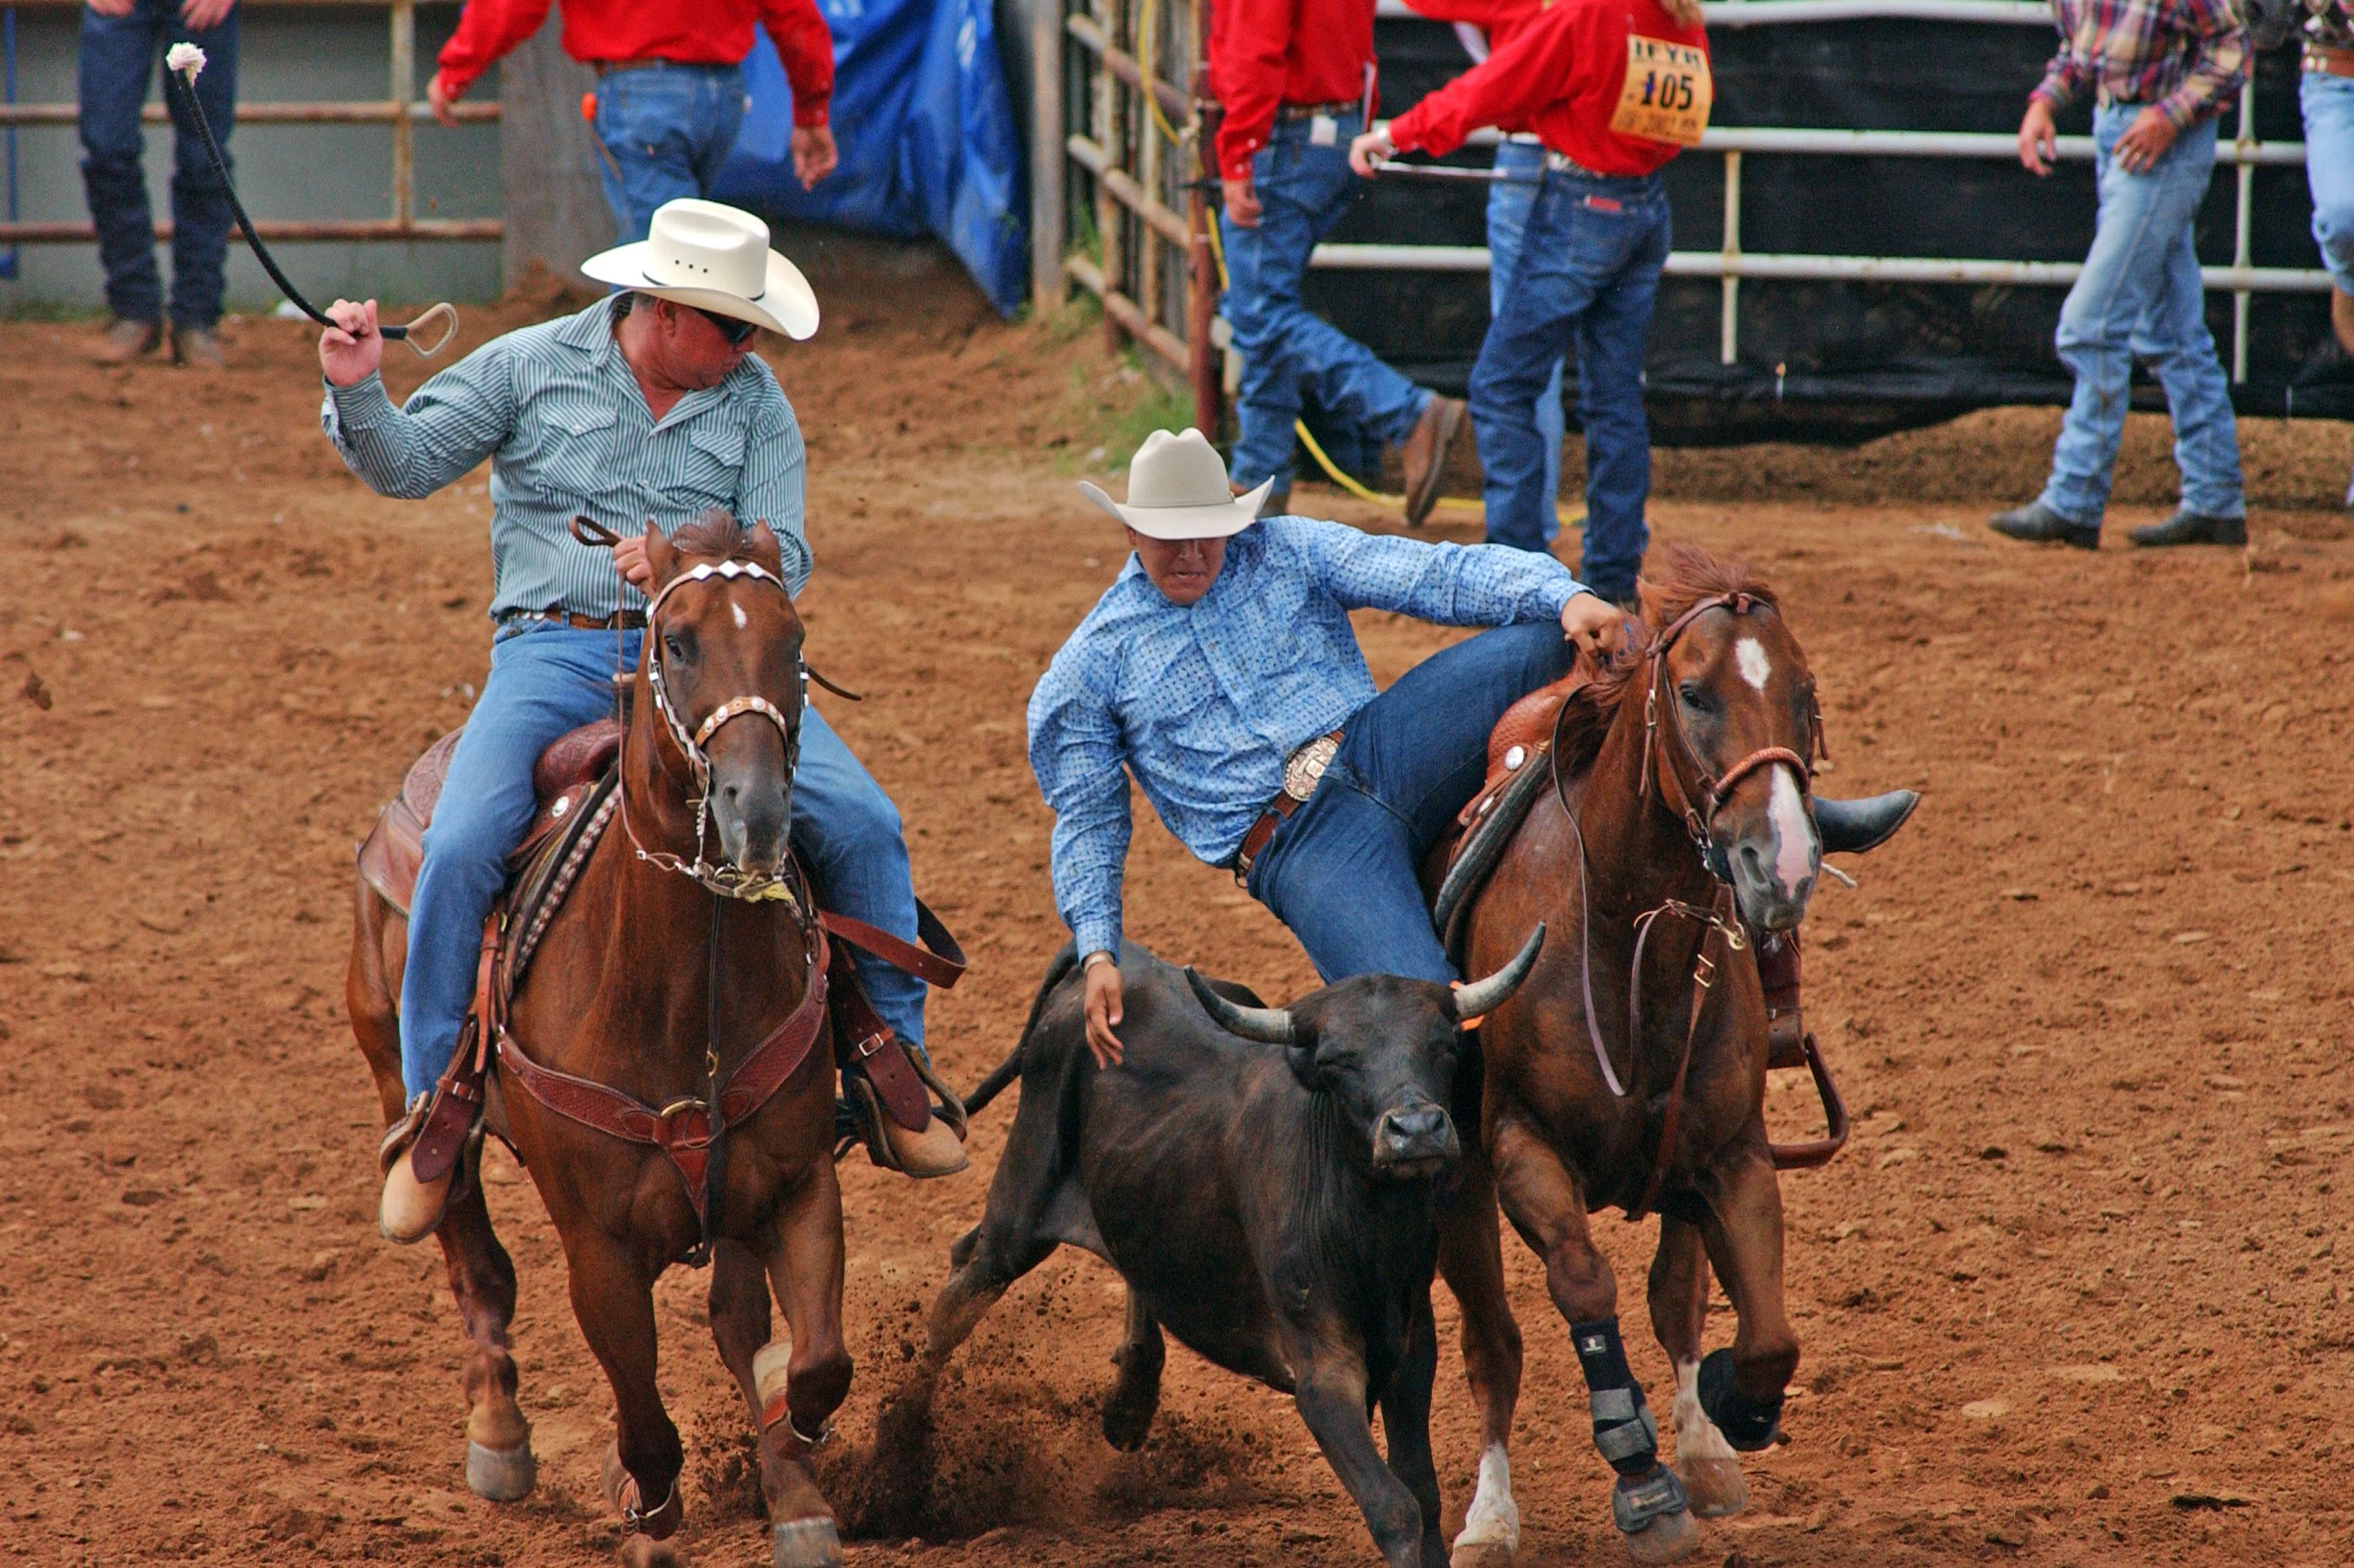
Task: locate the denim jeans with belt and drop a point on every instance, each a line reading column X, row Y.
column 1303, row 190
column 2329, row 104
column 1342, row 871
column 1522, row 163
column 1587, row 272
column 547, row 679
column 668, row 128
column 2139, row 296
column 118, row 54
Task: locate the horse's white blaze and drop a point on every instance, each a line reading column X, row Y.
column 1794, row 860
column 741, row 620
column 1493, row 1518
column 1696, row 1436
column 1750, row 655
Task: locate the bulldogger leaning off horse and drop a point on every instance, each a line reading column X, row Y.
column 1221, row 670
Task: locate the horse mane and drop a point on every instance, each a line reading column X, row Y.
column 718, row 536
column 1684, row 576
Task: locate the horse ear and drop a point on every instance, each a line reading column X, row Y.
column 661, row 556
column 761, row 540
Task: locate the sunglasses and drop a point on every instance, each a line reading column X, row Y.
column 736, row 332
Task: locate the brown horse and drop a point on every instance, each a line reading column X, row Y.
column 1630, row 1069
column 649, row 989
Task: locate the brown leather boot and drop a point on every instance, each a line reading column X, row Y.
column 128, row 340
column 1425, row 452
column 197, row 346
column 411, row 1210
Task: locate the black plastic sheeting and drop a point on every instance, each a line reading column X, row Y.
column 1837, row 362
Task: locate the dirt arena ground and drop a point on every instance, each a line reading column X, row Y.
column 2072, row 1297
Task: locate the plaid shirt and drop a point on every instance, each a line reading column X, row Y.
column 2329, row 24
column 2187, row 57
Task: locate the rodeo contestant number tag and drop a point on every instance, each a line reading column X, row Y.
column 1667, row 93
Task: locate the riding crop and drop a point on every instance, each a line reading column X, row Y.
column 185, row 60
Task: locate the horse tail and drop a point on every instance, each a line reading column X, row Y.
column 1005, row 1072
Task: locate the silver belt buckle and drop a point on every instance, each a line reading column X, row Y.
column 1305, row 768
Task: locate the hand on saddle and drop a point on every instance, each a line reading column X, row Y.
column 1103, row 1011
column 1595, row 624
column 352, row 350
column 629, row 560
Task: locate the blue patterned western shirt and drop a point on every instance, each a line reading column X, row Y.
column 1204, row 703
column 558, row 412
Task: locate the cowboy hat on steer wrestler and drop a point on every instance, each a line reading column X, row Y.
column 646, row 407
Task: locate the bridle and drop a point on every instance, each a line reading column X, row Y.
column 1663, row 740
column 718, row 876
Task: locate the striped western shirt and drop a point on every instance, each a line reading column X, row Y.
column 2185, row 58
column 559, row 413
column 1204, row 702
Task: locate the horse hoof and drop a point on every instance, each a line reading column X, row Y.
column 1715, row 1486
column 1670, row 1538
column 501, row 1475
column 1480, row 1554
column 806, row 1543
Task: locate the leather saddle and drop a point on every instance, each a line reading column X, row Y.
column 1520, row 769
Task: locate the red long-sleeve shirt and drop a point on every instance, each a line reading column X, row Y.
column 1499, row 19
column 1561, row 77
column 689, row 32
column 1264, row 54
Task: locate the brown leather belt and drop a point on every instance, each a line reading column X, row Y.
column 2328, row 61
column 1336, row 109
column 1302, row 771
column 625, row 620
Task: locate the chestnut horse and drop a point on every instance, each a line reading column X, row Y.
column 1630, row 1068
column 652, row 984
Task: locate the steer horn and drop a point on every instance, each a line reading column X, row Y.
column 1268, row 1025
column 1481, row 997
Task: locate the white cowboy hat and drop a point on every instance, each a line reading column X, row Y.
column 1177, row 489
column 716, row 258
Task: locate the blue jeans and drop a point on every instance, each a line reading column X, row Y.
column 2140, row 295
column 669, row 128
column 1587, row 272
column 545, row 679
column 2329, row 103
column 1341, row 872
column 117, row 55
column 1510, row 201
column 1303, row 190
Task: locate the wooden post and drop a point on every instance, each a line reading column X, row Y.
column 1202, row 274
column 1049, row 194
column 548, row 157
column 1111, row 135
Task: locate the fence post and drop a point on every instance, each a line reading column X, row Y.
column 1049, row 193
column 403, row 22
column 1201, row 274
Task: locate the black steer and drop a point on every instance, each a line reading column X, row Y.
column 1273, row 1208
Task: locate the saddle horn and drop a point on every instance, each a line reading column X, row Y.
column 1268, row 1025
column 1481, row 997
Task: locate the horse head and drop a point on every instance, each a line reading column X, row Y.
column 1732, row 730
column 723, row 644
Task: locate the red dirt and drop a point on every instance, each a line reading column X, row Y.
column 2071, row 1297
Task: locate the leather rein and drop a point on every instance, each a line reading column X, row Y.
column 1719, row 918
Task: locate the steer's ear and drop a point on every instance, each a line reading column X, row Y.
column 1301, row 1054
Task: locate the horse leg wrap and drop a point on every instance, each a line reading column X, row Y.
column 1748, row 1425
column 1624, row 1429
column 1637, row 1500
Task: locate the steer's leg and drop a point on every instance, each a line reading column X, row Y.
column 1405, row 1428
column 1127, row 1409
column 1741, row 1389
column 1541, row 1199
column 1330, row 1394
column 1472, row 1260
column 1679, row 1297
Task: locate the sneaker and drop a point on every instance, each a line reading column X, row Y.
column 199, row 346
column 1426, row 449
column 2188, row 528
column 128, row 340
column 2037, row 524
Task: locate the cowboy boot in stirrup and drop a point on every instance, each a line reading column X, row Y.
column 936, row 1150
column 411, row 1210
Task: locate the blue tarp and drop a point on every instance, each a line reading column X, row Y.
column 927, row 132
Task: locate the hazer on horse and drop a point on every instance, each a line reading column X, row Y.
column 657, row 1021
column 1656, row 814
